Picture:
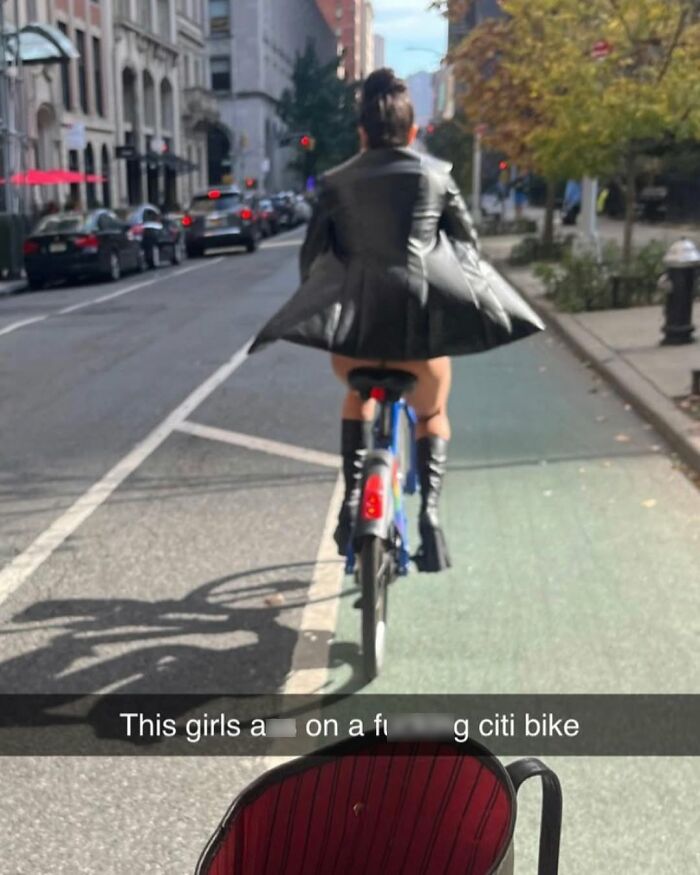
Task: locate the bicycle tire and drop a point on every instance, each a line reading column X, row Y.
column 373, row 573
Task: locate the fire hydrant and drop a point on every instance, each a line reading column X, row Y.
column 682, row 262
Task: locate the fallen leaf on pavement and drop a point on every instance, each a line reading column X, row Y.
column 650, row 502
column 274, row 600
column 622, row 438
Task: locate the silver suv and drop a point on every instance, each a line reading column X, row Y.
column 220, row 217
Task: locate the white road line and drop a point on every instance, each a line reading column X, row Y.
column 26, row 563
column 118, row 294
column 309, row 671
column 278, row 244
column 124, row 291
column 261, row 445
column 15, row 325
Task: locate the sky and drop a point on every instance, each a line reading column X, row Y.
column 407, row 24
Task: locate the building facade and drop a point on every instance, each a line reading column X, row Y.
column 346, row 18
column 67, row 114
column 139, row 87
column 253, row 45
column 478, row 11
column 379, row 52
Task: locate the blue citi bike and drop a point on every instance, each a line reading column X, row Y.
column 379, row 549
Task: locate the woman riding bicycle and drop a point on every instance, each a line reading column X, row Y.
column 391, row 278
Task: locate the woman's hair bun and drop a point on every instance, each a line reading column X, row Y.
column 383, row 83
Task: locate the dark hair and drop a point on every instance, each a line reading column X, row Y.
column 386, row 110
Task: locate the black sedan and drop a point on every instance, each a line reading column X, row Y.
column 160, row 238
column 73, row 245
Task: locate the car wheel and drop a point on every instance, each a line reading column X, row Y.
column 195, row 252
column 252, row 244
column 115, row 267
column 154, row 257
column 178, row 252
column 35, row 283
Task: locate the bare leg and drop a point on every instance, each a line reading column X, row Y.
column 428, row 399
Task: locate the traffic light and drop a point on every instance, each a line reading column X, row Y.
column 251, row 183
column 307, row 142
column 503, row 165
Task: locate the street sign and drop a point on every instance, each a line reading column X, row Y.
column 265, row 166
column 75, row 137
column 126, row 152
column 601, row 50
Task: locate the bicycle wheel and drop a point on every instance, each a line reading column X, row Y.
column 374, row 575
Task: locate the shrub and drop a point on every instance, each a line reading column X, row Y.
column 531, row 248
column 583, row 282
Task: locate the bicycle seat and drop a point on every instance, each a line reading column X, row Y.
column 393, row 383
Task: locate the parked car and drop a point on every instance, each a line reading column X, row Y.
column 71, row 245
column 269, row 217
column 303, row 207
column 285, row 204
column 220, row 217
column 159, row 237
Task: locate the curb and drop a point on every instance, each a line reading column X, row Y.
column 681, row 432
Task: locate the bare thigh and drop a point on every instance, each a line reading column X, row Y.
column 431, row 394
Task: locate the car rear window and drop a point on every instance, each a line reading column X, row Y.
column 61, row 224
column 206, row 204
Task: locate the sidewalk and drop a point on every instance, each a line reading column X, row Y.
column 624, row 347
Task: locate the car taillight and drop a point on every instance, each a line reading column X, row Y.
column 30, row 247
column 246, row 215
column 373, row 498
column 87, row 241
column 186, row 221
column 135, row 232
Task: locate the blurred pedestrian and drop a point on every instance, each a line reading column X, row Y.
column 572, row 202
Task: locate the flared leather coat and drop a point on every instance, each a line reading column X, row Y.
column 391, row 271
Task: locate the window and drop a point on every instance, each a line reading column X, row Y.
column 164, row 19
column 65, row 74
column 219, row 16
column 97, row 72
column 82, row 70
column 221, row 73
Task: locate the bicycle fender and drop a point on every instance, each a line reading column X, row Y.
column 378, row 464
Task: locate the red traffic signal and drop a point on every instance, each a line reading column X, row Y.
column 307, row 142
column 503, row 165
column 251, row 182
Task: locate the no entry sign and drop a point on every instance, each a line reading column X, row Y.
column 601, row 50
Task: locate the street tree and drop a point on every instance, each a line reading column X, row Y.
column 608, row 79
column 497, row 98
column 322, row 106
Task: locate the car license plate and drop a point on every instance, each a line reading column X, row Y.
column 57, row 247
column 215, row 222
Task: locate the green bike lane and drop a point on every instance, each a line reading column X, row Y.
column 575, row 547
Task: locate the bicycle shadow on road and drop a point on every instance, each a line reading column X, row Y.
column 232, row 635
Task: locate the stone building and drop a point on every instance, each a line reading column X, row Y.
column 139, row 88
column 252, row 48
column 67, row 111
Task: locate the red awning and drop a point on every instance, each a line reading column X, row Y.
column 53, row 177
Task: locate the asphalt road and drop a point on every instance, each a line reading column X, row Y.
column 153, row 542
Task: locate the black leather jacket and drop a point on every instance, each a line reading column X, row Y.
column 391, row 271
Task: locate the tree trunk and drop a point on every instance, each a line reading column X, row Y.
column 548, row 230
column 630, row 204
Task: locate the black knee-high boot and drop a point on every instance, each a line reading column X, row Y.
column 432, row 460
column 354, row 442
